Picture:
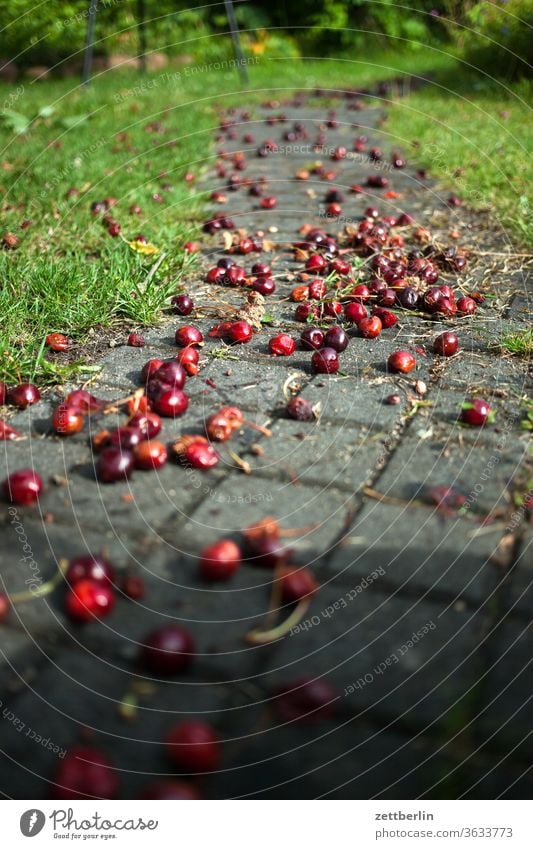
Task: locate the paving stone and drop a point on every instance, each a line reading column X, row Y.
column 421, row 550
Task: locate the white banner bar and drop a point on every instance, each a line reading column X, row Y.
column 267, row 824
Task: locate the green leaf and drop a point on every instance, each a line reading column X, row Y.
column 15, row 121
column 71, row 121
column 46, row 111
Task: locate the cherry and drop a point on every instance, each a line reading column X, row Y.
column 300, row 409
column 315, row 263
column 387, row 318
column 23, row 487
column 261, row 269
column 150, row 454
column 191, row 247
column 361, row 293
column 281, row 345
column 5, row 607
column 67, row 420
column 85, row 772
column 312, row 338
column 354, row 311
column 306, row 700
column 148, row 424
column 133, row 587
column 447, row 344
column 171, row 373
column 3, row 393
column 317, row 290
column 370, row 328
column 476, row 412
column 393, row 400
column 194, row 746
column 87, row 599
column 220, row 561
column 219, row 428
column 114, row 464
column 336, row 338
column 305, row 311
column 167, row 650
column 114, row 229
column 149, row 369
column 93, row 567
column 466, row 306
column 268, row 202
column 24, row 395
column 325, row 361
column 264, row 285
column 188, row 335
column 408, row 298
column 296, row 583
column 387, row 297
column 240, row 332
column 340, row 266
column 377, row 181
column 171, row 403
column 401, row 361
column 196, row 451
column 170, row 789
column 333, row 210
column 188, row 358
column 125, row 438
column 57, row 342
column 182, row 304
column 136, row 340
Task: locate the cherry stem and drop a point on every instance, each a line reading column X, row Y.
column 259, row 637
column 264, row 430
column 111, row 408
column 44, row 589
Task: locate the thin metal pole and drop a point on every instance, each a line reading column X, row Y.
column 236, row 39
column 142, row 34
column 89, row 42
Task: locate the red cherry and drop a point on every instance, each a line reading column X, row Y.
column 5, row 607
column 149, row 369
column 67, row 420
column 268, row 202
column 401, row 361
column 306, row 700
column 133, row 587
column 85, row 772
column 282, row 345
column 91, row 567
column 240, row 332
column 171, row 403
column 23, row 487
column 148, row 424
column 188, row 335
column 188, row 358
column 57, row 342
column 325, row 361
column 194, row 746
column 466, row 306
column 220, row 561
column 150, row 454
column 370, row 328
column 87, row 599
column 387, row 318
column 476, row 412
column 447, row 344
column 354, row 312
column 361, row 292
column 200, row 455
column 316, row 262
column 317, row 290
column 136, row 340
column 167, row 650
column 24, row 395
column 114, row 464
column 296, row 583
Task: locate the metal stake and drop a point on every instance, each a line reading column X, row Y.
column 89, row 43
column 236, row 39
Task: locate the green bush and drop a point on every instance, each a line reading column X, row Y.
column 499, row 38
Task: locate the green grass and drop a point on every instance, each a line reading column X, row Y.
column 519, row 344
column 68, row 275
column 473, row 134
